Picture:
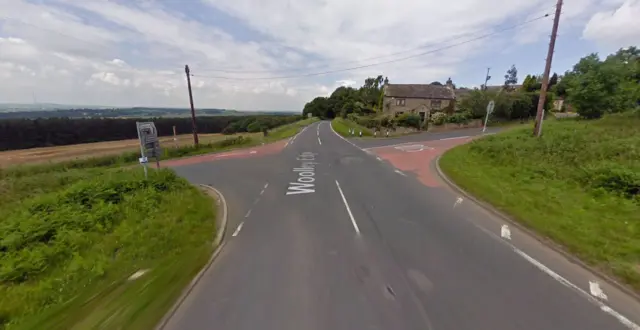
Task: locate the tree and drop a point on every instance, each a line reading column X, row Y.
column 436, row 83
column 553, row 80
column 511, row 78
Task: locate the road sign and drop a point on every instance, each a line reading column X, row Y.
column 490, row 106
column 149, row 143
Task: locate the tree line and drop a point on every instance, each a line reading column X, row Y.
column 46, row 132
column 345, row 100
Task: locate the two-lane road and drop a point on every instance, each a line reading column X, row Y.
column 325, row 236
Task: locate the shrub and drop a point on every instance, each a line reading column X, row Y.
column 457, row 118
column 409, row 120
column 438, row 118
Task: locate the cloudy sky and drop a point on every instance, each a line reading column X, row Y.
column 243, row 53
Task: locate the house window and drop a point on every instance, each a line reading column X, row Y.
column 400, row 102
column 436, row 104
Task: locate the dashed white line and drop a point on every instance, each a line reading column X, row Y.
column 266, row 185
column 346, row 204
column 237, row 231
column 319, row 142
column 505, row 232
column 621, row 318
column 400, row 172
column 378, row 158
column 248, row 214
column 261, row 192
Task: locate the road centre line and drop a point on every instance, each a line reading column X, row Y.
column 237, row 231
column 248, row 214
column 266, row 185
column 319, row 142
column 346, row 204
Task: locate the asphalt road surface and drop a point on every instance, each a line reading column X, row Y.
column 324, row 236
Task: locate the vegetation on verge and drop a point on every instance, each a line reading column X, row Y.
column 342, row 127
column 73, row 233
column 70, row 240
column 579, row 185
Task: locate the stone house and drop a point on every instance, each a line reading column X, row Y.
column 417, row 99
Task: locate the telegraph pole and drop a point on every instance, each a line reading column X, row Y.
column 193, row 111
column 486, row 79
column 537, row 130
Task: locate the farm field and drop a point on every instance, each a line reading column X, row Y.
column 89, row 150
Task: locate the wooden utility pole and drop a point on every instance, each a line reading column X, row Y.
column 193, row 111
column 537, row 130
column 486, row 79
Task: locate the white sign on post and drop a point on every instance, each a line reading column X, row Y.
column 490, row 107
column 149, row 144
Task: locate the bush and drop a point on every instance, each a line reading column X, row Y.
column 409, row 120
column 458, row 118
column 438, row 118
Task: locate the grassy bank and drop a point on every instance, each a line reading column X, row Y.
column 342, row 127
column 578, row 185
column 287, row 131
column 70, row 240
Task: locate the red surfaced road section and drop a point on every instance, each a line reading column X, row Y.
column 267, row 149
column 416, row 157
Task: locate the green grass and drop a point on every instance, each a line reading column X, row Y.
column 71, row 239
column 73, row 233
column 287, row 131
column 342, row 126
column 578, row 185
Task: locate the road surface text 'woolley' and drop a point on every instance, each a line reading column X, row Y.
column 306, row 172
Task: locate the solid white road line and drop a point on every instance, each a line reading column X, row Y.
column 237, row 231
column 455, row 138
column 505, row 232
column 353, row 221
column 319, row 142
column 400, row 172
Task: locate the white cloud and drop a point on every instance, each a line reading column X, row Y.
column 618, row 27
column 133, row 52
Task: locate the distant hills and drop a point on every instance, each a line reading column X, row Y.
column 51, row 110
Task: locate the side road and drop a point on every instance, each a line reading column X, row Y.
column 420, row 160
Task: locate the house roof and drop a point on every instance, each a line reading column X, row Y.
column 418, row 91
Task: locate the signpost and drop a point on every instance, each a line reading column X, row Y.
column 490, row 107
column 149, row 143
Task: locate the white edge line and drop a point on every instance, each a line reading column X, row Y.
column 353, row 221
column 621, row 318
column 378, row 158
column 400, row 172
column 342, row 137
column 237, row 231
column 423, row 142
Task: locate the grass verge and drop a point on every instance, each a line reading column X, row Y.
column 578, row 185
column 342, row 127
column 70, row 240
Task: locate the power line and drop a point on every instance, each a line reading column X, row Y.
column 379, row 63
column 353, row 61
